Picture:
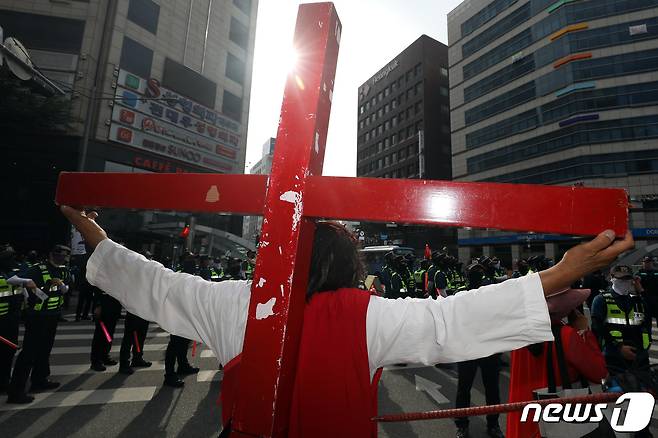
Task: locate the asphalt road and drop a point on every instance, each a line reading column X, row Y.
column 109, row 404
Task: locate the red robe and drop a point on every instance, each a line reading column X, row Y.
column 333, row 394
column 528, row 372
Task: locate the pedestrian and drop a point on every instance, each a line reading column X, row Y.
column 565, row 367
column 207, row 271
column 106, row 315
column 489, row 368
column 421, row 279
column 44, row 305
column 11, row 300
column 438, row 279
column 649, row 280
column 348, row 334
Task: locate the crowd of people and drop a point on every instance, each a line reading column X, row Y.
column 622, row 303
column 35, row 290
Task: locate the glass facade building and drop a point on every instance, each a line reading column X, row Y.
column 555, row 92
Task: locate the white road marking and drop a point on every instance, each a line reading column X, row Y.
column 71, row 370
column 207, row 353
column 85, row 336
column 115, row 349
column 85, row 397
column 432, row 389
column 209, row 376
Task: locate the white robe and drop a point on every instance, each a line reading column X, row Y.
column 469, row 325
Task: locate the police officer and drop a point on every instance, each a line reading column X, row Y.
column 43, row 310
column 438, row 280
column 489, row 368
column 421, row 280
column 207, row 271
column 251, row 265
column 522, row 268
column 407, row 273
column 620, row 323
column 11, row 299
column 134, row 336
column 106, row 315
column 649, row 280
column 387, row 270
column 395, row 287
column 178, row 346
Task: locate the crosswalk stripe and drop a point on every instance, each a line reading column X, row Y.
column 73, row 326
column 115, row 349
column 61, row 399
column 117, row 335
column 209, row 376
column 71, row 370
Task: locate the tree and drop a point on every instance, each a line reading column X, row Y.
column 24, row 108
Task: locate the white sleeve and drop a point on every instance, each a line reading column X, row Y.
column 17, row 281
column 472, row 324
column 182, row 304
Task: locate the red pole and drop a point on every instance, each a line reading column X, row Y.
column 603, row 397
column 9, row 343
column 139, row 350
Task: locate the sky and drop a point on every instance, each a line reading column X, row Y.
column 374, row 32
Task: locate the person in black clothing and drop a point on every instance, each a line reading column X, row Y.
column 207, row 271
column 489, row 367
column 177, row 347
column 649, row 280
column 437, row 278
column 11, row 299
column 107, row 312
column 85, row 290
column 43, row 310
column 597, row 283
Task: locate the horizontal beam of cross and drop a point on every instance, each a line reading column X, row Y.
column 514, row 207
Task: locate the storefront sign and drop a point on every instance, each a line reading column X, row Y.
column 171, row 132
column 167, row 148
column 156, row 165
column 152, row 89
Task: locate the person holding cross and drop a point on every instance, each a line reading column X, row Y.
column 348, row 335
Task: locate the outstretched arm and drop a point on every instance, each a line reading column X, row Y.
column 183, row 304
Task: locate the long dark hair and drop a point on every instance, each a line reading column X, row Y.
column 336, row 262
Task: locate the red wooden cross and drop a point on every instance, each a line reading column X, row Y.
column 295, row 195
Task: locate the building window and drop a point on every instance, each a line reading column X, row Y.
column 387, row 124
column 239, row 33
column 243, row 5
column 409, row 93
column 444, row 91
column 367, row 135
column 407, row 76
column 418, row 69
column 361, row 124
column 445, row 109
column 394, row 121
column 136, row 58
column 232, row 106
column 387, row 91
column 380, row 96
column 394, row 103
column 387, row 108
column 380, row 112
column 235, row 68
column 394, row 139
column 361, row 109
column 387, row 142
column 144, row 13
column 444, row 72
column 418, row 108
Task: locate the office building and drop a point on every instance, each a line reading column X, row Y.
column 555, row 92
column 152, row 86
column 252, row 224
column 404, row 131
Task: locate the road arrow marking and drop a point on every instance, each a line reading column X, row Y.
column 432, row 389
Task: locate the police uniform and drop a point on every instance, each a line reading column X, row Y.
column 649, row 279
column 421, row 280
column 42, row 313
column 110, row 311
column 490, row 371
column 620, row 319
column 11, row 299
column 135, row 329
column 178, row 346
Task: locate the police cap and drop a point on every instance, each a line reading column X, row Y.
column 621, row 272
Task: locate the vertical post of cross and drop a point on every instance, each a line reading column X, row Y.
column 278, row 291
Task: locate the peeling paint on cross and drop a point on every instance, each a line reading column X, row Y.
column 296, row 194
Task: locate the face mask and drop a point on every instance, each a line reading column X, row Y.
column 623, row 287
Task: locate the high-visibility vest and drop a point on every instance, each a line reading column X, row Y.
column 627, row 327
column 419, row 276
column 8, row 295
column 55, row 298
